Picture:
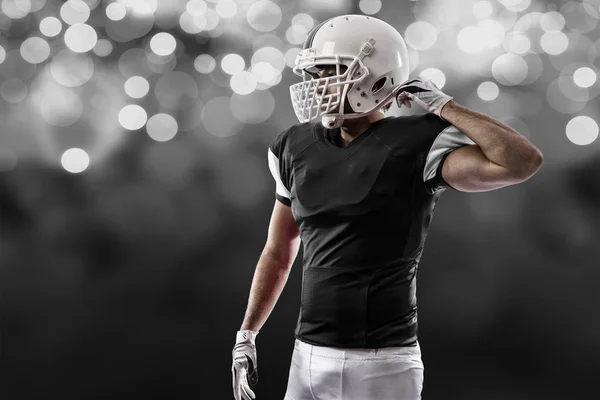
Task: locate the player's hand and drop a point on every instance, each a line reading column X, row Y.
column 423, row 92
column 244, row 367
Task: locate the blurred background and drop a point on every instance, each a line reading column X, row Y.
column 135, row 195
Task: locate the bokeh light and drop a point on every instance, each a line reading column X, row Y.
column 264, row 15
column 434, row 75
column 582, row 130
column 510, row 69
column 163, row 44
column 162, row 127
column 370, row 7
column 226, row 8
column 585, row 77
column 232, row 63
column 35, row 50
column 554, row 42
column 304, row 20
column 71, row 69
column 75, row 160
column 137, row 87
column 81, row 38
column 243, row 82
column 420, row 35
column 50, row 26
column 116, row 11
column 488, row 91
column 132, row 117
column 482, row 9
column 205, row 63
column 103, row 48
column 75, row 12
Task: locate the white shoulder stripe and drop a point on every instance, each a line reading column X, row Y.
column 274, row 167
column 449, row 139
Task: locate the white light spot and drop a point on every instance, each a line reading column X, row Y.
column 516, row 42
column 162, row 127
column 132, row 117
column 226, row 8
column 243, row 82
column 552, row 21
column 434, row 75
column 582, row 130
column 35, row 50
column 137, row 87
column 71, row 69
column 304, row 20
column 163, row 44
column 75, row 12
column 290, row 56
column 370, row 7
column 510, row 69
column 482, row 9
column 232, row 63
column 420, row 35
column 75, row 160
column 264, row 72
column 50, row 26
column 296, row 34
column 205, row 63
column 516, row 5
column 16, row 9
column 554, row 42
column 270, row 55
column 585, row 77
column 81, row 38
column 264, row 15
column 116, row 11
column 488, row 91
column 103, row 48
column 196, row 7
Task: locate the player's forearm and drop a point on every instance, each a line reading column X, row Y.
column 499, row 142
column 269, row 280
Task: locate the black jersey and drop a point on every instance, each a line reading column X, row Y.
column 363, row 213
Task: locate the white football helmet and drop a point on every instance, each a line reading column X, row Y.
column 376, row 58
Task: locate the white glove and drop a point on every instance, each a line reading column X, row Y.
column 425, row 93
column 244, row 365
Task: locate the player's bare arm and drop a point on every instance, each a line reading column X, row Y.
column 270, row 277
column 501, row 156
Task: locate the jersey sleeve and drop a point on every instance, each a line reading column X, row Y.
column 280, row 166
column 446, row 141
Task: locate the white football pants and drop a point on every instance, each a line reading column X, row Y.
column 332, row 373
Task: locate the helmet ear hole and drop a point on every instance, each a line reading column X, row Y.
column 377, row 86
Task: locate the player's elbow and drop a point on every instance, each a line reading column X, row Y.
column 530, row 166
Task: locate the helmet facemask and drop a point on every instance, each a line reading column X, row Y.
column 310, row 98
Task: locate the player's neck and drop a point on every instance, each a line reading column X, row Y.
column 353, row 128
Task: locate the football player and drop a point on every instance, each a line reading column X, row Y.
column 358, row 190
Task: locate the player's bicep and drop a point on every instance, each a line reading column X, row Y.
column 467, row 169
